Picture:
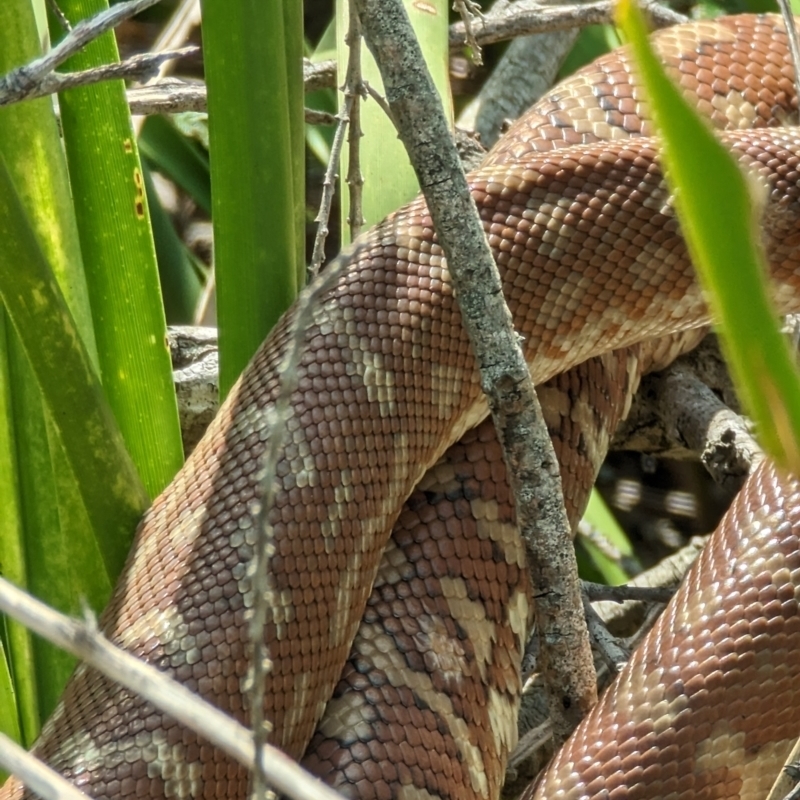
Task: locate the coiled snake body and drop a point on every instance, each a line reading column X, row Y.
column 592, row 261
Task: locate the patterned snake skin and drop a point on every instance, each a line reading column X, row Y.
column 434, row 618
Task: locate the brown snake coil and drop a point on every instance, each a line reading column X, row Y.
column 592, row 261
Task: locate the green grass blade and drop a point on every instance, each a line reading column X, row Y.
column 9, row 723
column 179, row 158
column 108, row 480
column 120, row 263
column 293, row 26
column 63, row 565
column 255, row 251
column 20, row 708
column 180, row 277
column 719, row 218
column 599, row 516
column 41, row 503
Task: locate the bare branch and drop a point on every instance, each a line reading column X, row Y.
column 525, row 18
column 136, row 67
column 676, row 413
column 169, row 96
column 468, row 10
column 354, row 85
column 173, row 96
column 612, row 653
column 320, row 75
column 59, row 15
column 329, row 188
column 619, row 594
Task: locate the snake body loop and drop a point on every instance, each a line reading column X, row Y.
column 592, row 261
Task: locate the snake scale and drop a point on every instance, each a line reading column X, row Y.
column 383, row 433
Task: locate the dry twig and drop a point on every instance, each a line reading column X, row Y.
column 468, row 10
column 609, row 648
column 136, row 67
column 354, row 84
column 619, row 594
column 526, row 17
column 19, row 83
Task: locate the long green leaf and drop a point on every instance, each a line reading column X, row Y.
column 252, row 159
column 719, row 218
column 293, row 47
column 108, row 480
column 9, row 723
column 119, row 258
column 178, row 157
column 20, row 709
column 46, row 543
column 180, row 275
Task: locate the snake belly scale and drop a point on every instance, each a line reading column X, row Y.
column 434, row 614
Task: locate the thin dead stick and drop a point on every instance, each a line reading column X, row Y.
column 136, row 67
column 174, row 34
column 468, row 11
column 84, row 642
column 59, row 15
column 170, row 96
column 35, row 774
column 619, row 594
column 178, row 29
column 348, row 115
column 319, row 75
column 328, row 189
column 353, row 87
column 527, row 18
column 173, row 96
column 609, row 648
column 19, row 82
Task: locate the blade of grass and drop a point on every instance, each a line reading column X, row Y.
column 719, row 218
column 255, row 252
column 181, row 280
column 182, row 160
column 112, row 491
column 293, row 24
column 20, row 708
column 9, row 724
column 119, row 259
column 42, row 506
column 63, row 563
column 599, row 516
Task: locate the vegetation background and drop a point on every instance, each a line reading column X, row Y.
column 111, row 231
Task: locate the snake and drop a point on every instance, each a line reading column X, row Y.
column 401, row 598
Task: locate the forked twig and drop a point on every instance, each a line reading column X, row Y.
column 20, row 82
column 136, row 67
